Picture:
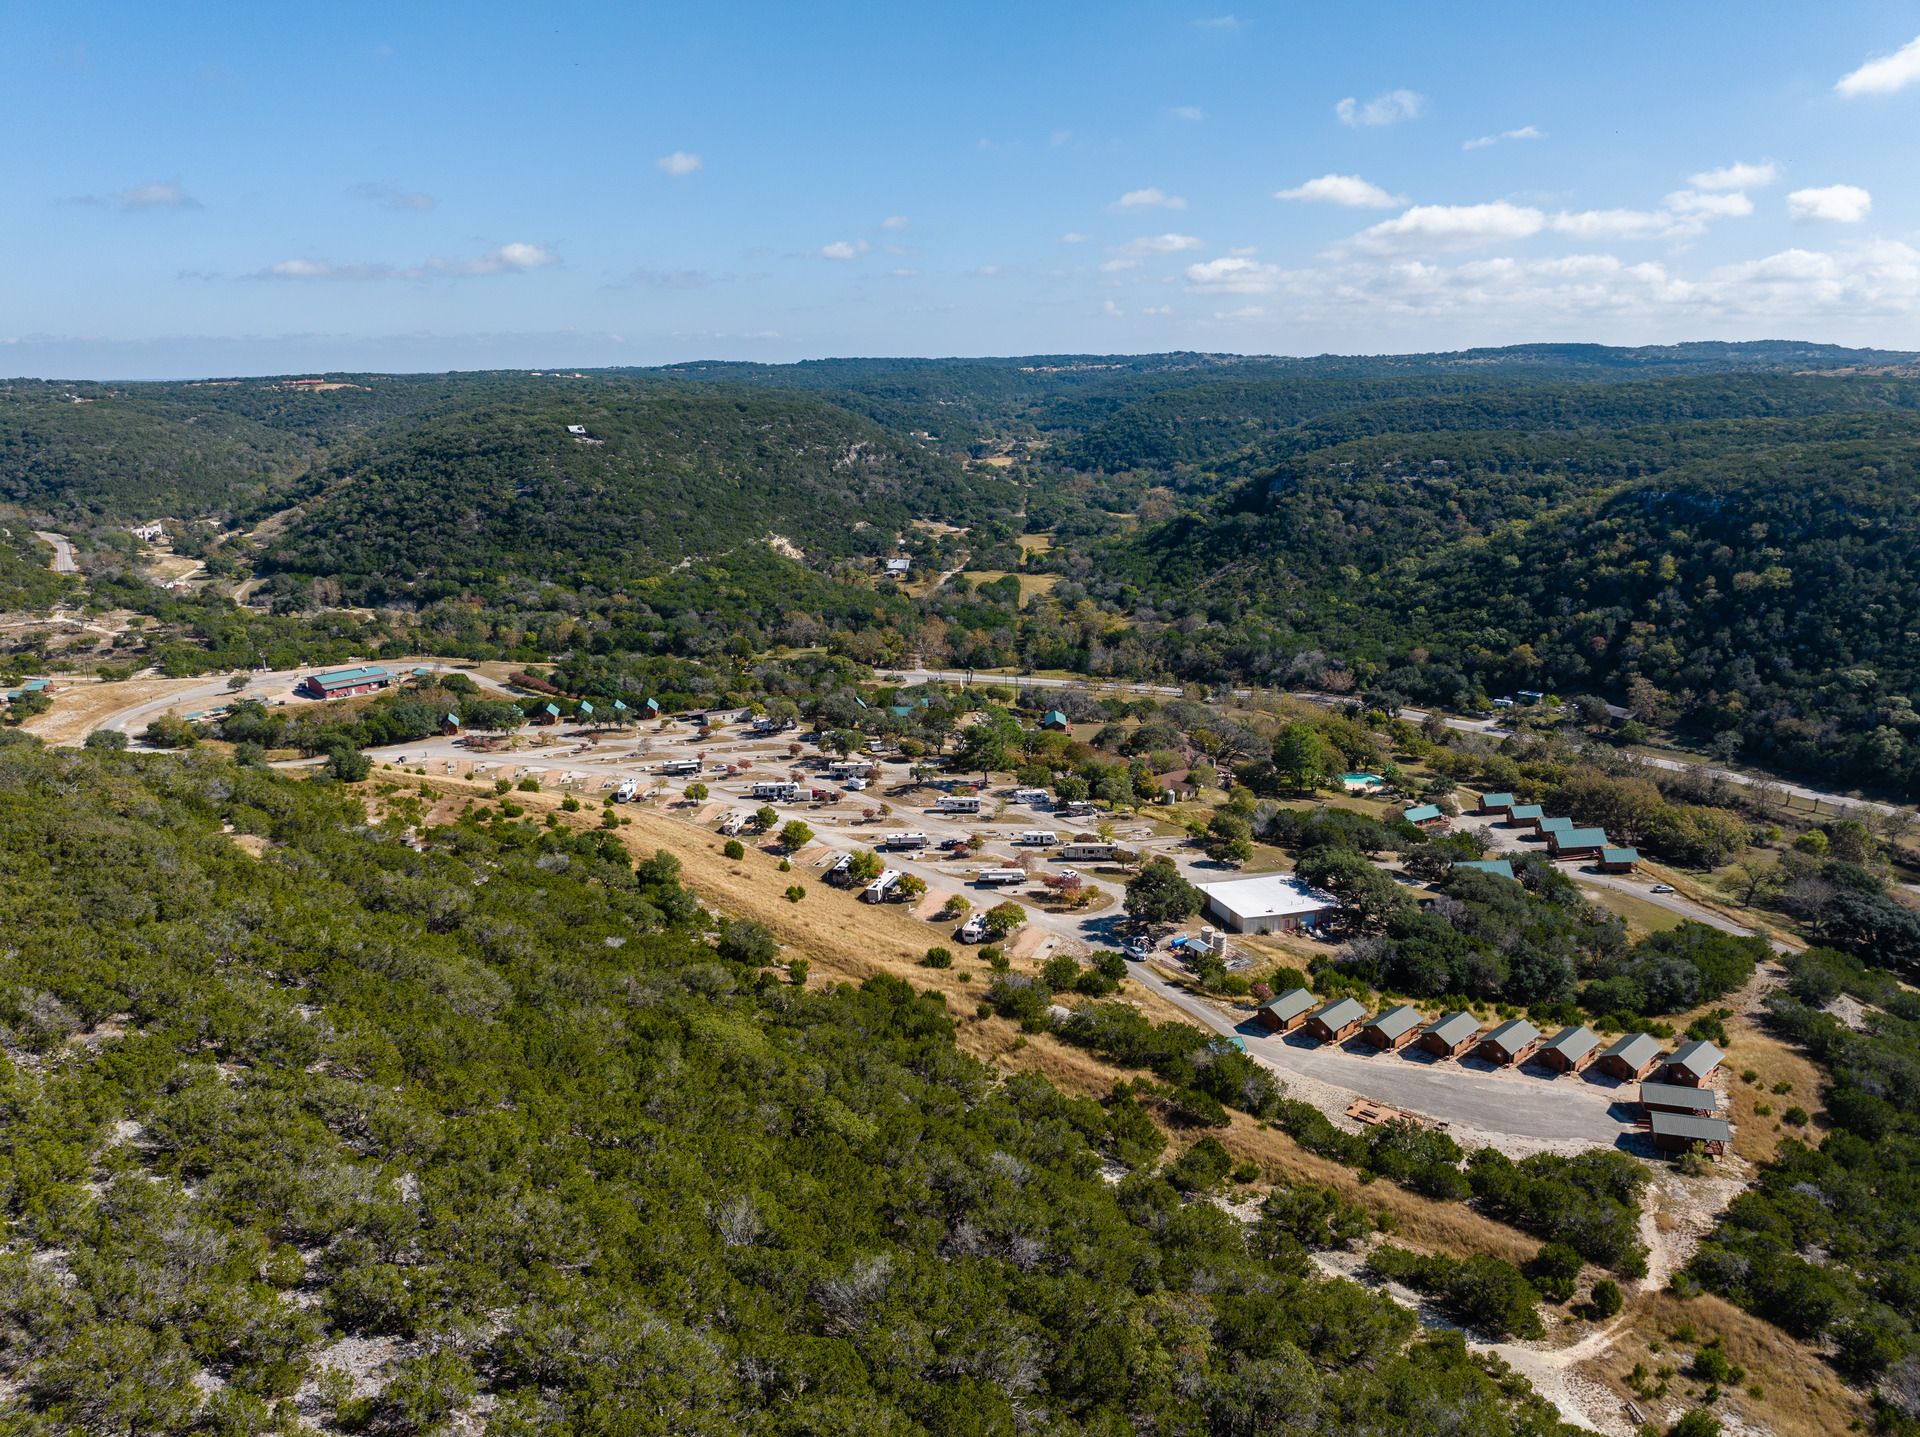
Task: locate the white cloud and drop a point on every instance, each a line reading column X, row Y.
column 894, row 222
column 1732, row 205
column 391, row 197
column 1437, row 227
column 679, row 163
column 1525, row 132
column 1108, row 307
column 1151, row 198
column 1348, row 190
column 1613, row 224
column 1740, row 175
column 1188, row 112
column 1074, row 237
column 842, row 250
column 1843, row 204
column 1384, row 109
column 154, row 195
column 1234, row 274
column 1219, row 22
column 1130, row 254
column 515, row 258
column 1884, row 74
column 1158, row 309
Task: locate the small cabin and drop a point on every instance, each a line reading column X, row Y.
column 1451, row 1035
column 1693, row 1063
column 1491, row 803
column 1338, row 1021
column 1054, row 720
column 1577, row 842
column 1427, row 817
column 1510, row 1043
column 1524, row 815
column 1286, row 1012
column 1395, row 1028
column 1569, row 1050
column 1501, row 866
column 1630, row 1059
column 1678, row 1098
column 1619, row 860
column 1685, row 1133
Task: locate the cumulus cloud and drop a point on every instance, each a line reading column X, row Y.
column 1740, row 175
column 154, row 195
column 1444, row 227
column 842, row 250
column 1234, row 274
column 1884, row 74
column 515, row 258
column 1108, row 307
column 1843, row 204
column 894, row 222
column 1525, row 132
column 1385, row 109
column 1731, row 205
column 1151, row 198
column 392, row 197
column 1188, row 112
column 1219, row 22
column 1130, row 254
column 679, row 163
column 1348, row 190
column 1074, row 237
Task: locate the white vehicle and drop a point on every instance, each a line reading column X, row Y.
column 881, row 888
column 627, row 791
column 850, row 768
column 680, row 766
column 840, row 871
column 1000, row 877
column 1080, row 808
column 974, row 930
column 1085, row 852
column 953, row 804
column 1033, row 797
column 905, row 840
column 1038, row 838
column 781, row 791
column 854, row 785
column 732, row 824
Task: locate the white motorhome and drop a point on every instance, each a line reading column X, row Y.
column 955, row 804
column 732, row 824
column 1038, row 838
column 627, row 792
column 881, row 888
column 905, row 840
column 1000, row 877
column 840, row 871
column 1033, row 797
column 1085, row 852
column 779, row 790
column 680, row 766
column 974, row 930
column 1080, row 808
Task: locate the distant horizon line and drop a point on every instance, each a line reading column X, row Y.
column 1059, row 356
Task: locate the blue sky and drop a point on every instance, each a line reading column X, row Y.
column 229, row 189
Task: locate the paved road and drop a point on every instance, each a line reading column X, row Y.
column 63, row 562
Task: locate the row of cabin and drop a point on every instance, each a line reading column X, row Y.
column 1565, row 839
column 1513, row 1042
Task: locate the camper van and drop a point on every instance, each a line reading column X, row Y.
column 954, row 804
column 732, row 824
column 1085, row 852
column 974, row 930
column 779, row 791
column 850, row 768
column 1032, row 797
column 906, row 840
column 1038, row 838
column 881, row 889
column 1080, row 808
column 627, row 792
column 680, row 766
column 840, row 872
column 999, row 877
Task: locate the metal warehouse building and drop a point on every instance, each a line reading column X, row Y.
column 1266, row 903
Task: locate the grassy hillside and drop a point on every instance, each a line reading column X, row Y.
column 302, row 1113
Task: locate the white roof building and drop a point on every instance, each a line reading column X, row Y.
column 1266, row 903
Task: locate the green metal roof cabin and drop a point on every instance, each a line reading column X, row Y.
column 1525, row 813
column 1423, row 813
column 1053, row 718
column 1495, row 802
column 1501, row 866
column 1577, row 840
column 1555, row 825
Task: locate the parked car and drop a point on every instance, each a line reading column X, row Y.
column 1661, row 888
column 1138, row 949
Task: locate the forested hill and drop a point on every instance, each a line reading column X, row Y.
column 1763, row 574
column 405, row 1122
column 494, row 495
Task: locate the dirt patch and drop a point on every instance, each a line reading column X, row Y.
column 78, row 709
